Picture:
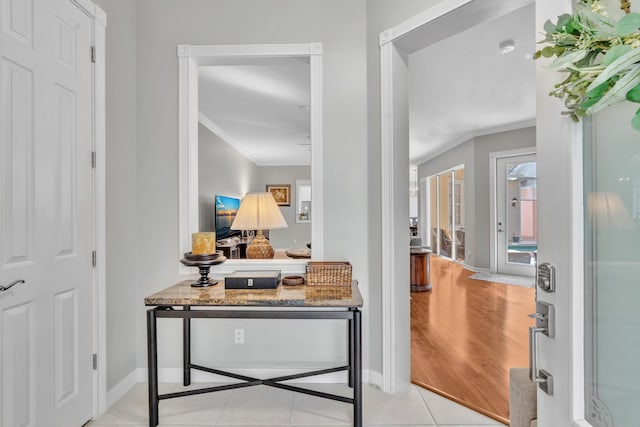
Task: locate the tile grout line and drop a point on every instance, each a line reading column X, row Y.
column 226, row 403
column 424, row 402
column 293, row 395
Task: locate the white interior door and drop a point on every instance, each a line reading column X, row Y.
column 516, row 213
column 45, row 214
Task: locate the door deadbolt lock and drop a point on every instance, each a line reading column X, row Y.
column 547, row 277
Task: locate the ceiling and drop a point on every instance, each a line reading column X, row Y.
column 463, row 86
column 260, row 110
column 459, row 87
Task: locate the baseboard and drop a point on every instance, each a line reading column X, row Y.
column 474, row 268
column 372, row 377
column 116, row 392
column 174, row 375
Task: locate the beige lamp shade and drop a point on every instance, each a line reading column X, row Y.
column 258, row 211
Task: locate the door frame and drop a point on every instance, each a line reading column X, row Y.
column 493, row 199
column 99, row 22
column 441, row 21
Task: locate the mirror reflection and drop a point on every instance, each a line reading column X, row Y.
column 254, row 136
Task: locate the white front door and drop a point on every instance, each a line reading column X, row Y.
column 46, row 219
column 589, row 230
column 516, row 211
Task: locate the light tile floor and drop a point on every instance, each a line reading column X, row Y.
column 271, row 407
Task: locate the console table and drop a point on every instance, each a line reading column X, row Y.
column 285, row 302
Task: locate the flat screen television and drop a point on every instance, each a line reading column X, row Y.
column 226, row 208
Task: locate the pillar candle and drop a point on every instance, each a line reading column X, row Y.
column 203, row 243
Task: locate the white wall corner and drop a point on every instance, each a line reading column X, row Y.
column 372, row 377
column 119, row 390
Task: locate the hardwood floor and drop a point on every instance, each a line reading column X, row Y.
column 466, row 334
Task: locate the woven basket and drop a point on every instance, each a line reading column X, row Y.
column 328, row 273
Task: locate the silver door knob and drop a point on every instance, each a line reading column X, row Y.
column 11, row 285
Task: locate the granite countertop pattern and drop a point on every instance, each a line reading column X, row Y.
column 283, row 296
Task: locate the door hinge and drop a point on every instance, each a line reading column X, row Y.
column 94, row 259
column 93, row 159
column 94, row 360
column 93, row 54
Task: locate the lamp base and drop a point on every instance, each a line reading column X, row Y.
column 259, row 248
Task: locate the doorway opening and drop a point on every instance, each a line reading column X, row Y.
column 398, row 46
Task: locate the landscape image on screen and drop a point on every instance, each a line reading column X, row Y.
column 226, row 208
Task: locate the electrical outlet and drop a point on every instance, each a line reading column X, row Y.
column 239, row 336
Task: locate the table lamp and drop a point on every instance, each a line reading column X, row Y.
column 258, row 211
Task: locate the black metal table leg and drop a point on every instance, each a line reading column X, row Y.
column 186, row 349
column 350, row 351
column 152, row 367
column 357, row 368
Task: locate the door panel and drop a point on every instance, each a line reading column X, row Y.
column 18, row 20
column 18, row 382
column 66, row 345
column 46, row 219
column 17, row 205
column 65, row 170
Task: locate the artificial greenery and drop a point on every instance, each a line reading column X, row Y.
column 601, row 55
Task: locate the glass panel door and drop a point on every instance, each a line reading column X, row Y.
column 444, row 214
column 612, row 270
column 458, row 213
column 517, row 228
column 433, row 214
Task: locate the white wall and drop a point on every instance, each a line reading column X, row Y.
column 121, row 191
column 223, row 171
column 341, row 27
column 142, row 128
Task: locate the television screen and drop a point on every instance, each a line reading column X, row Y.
column 226, row 208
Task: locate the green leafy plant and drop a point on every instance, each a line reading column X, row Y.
column 601, row 56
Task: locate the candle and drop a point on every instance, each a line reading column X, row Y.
column 203, row 243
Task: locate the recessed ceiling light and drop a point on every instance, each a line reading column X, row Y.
column 507, row 46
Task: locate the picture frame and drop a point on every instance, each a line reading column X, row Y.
column 281, row 193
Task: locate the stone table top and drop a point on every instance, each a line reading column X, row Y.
column 283, row 296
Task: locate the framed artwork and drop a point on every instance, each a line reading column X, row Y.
column 280, row 192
